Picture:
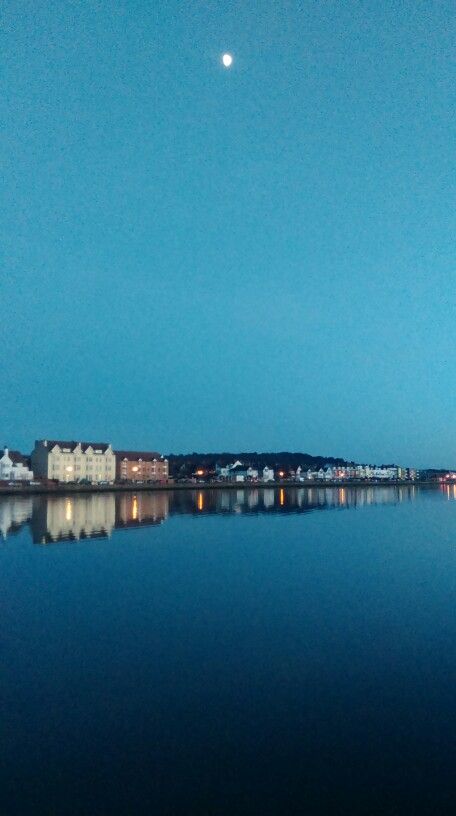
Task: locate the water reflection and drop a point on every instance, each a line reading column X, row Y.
column 450, row 491
column 95, row 515
column 14, row 512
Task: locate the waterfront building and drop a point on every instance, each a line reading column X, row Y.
column 241, row 473
column 268, row 474
column 237, row 474
column 63, row 461
column 223, row 471
column 312, row 475
column 141, row 466
column 14, row 467
column 304, row 476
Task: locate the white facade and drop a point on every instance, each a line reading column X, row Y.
column 94, row 462
column 268, row 474
column 12, row 469
column 225, row 471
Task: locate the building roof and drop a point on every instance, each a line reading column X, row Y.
column 134, row 456
column 51, row 443
column 15, row 456
column 18, row 458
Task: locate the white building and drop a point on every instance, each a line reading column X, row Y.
column 268, row 474
column 14, row 468
column 224, row 471
column 330, row 473
column 93, row 462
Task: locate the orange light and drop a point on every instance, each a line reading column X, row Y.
column 282, row 497
column 200, row 501
column 200, row 472
column 281, row 474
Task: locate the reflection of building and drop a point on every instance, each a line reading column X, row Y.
column 87, row 515
column 14, row 512
column 14, row 467
column 144, row 508
column 73, row 517
column 74, row 461
column 140, row 466
column 92, row 515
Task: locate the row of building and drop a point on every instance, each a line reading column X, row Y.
column 97, row 463
column 362, row 472
column 239, row 472
column 82, row 462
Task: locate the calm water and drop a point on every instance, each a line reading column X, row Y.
column 235, row 652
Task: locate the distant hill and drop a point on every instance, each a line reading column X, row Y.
column 183, row 464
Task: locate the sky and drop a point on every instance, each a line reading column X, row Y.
column 202, row 259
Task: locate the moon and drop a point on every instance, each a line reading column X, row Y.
column 227, row 60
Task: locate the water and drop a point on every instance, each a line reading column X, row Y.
column 229, row 652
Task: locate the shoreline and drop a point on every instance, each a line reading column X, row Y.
column 62, row 489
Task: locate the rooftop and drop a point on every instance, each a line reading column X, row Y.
column 52, row 443
column 134, row 456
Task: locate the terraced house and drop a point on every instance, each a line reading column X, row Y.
column 141, row 466
column 65, row 461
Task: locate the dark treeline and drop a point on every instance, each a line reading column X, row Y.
column 186, row 463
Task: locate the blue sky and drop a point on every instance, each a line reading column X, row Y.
column 202, row 259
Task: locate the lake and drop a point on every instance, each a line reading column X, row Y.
column 229, row 652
